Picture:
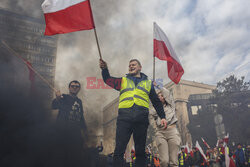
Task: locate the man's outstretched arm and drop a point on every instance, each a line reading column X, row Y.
column 113, row 82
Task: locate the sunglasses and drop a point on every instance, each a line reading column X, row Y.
column 74, row 86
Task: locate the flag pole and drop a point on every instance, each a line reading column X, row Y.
column 153, row 55
column 99, row 50
column 39, row 75
column 153, row 68
column 96, row 37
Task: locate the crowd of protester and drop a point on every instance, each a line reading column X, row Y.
column 215, row 157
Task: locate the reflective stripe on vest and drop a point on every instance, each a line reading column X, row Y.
column 130, row 95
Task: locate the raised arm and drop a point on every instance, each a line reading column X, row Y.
column 56, row 102
column 113, row 82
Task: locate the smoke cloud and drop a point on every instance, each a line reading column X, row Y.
column 205, row 36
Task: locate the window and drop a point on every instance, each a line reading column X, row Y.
column 194, row 110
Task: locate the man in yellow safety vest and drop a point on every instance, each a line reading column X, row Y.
column 135, row 91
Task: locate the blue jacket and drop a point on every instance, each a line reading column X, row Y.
column 240, row 156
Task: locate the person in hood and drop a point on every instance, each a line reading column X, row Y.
column 168, row 140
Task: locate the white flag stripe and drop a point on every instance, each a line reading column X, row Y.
column 50, row 6
column 161, row 36
column 197, row 145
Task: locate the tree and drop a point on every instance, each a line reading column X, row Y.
column 230, row 85
column 232, row 97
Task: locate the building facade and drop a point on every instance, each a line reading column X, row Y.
column 24, row 35
column 214, row 117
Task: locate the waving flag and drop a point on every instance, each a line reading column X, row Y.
column 164, row 51
column 197, row 145
column 64, row 16
column 228, row 161
column 205, row 143
column 226, row 139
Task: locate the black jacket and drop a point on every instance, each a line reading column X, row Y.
column 70, row 110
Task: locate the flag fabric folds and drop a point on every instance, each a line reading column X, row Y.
column 163, row 50
column 197, row 145
column 64, row 16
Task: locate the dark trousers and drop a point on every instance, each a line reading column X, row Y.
column 124, row 130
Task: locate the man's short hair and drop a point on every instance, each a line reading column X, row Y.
column 75, row 81
column 136, row 61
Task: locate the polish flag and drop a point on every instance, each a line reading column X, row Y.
column 226, row 139
column 164, row 51
column 64, row 16
column 197, row 145
column 228, row 161
column 205, row 143
column 187, row 149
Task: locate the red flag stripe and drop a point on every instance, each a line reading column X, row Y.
column 175, row 70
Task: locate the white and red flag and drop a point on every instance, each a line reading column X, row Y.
column 197, row 145
column 205, row 143
column 226, row 139
column 163, row 50
column 228, row 161
column 64, row 16
column 188, row 148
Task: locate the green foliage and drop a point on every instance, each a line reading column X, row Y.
column 230, row 85
column 232, row 97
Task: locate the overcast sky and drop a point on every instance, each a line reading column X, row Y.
column 211, row 39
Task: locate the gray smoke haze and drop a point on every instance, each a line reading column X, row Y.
column 201, row 33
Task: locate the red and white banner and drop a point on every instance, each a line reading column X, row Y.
column 64, row 16
column 163, row 50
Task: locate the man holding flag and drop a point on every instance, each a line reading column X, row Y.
column 135, row 92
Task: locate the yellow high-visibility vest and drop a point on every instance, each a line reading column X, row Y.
column 181, row 159
column 131, row 94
